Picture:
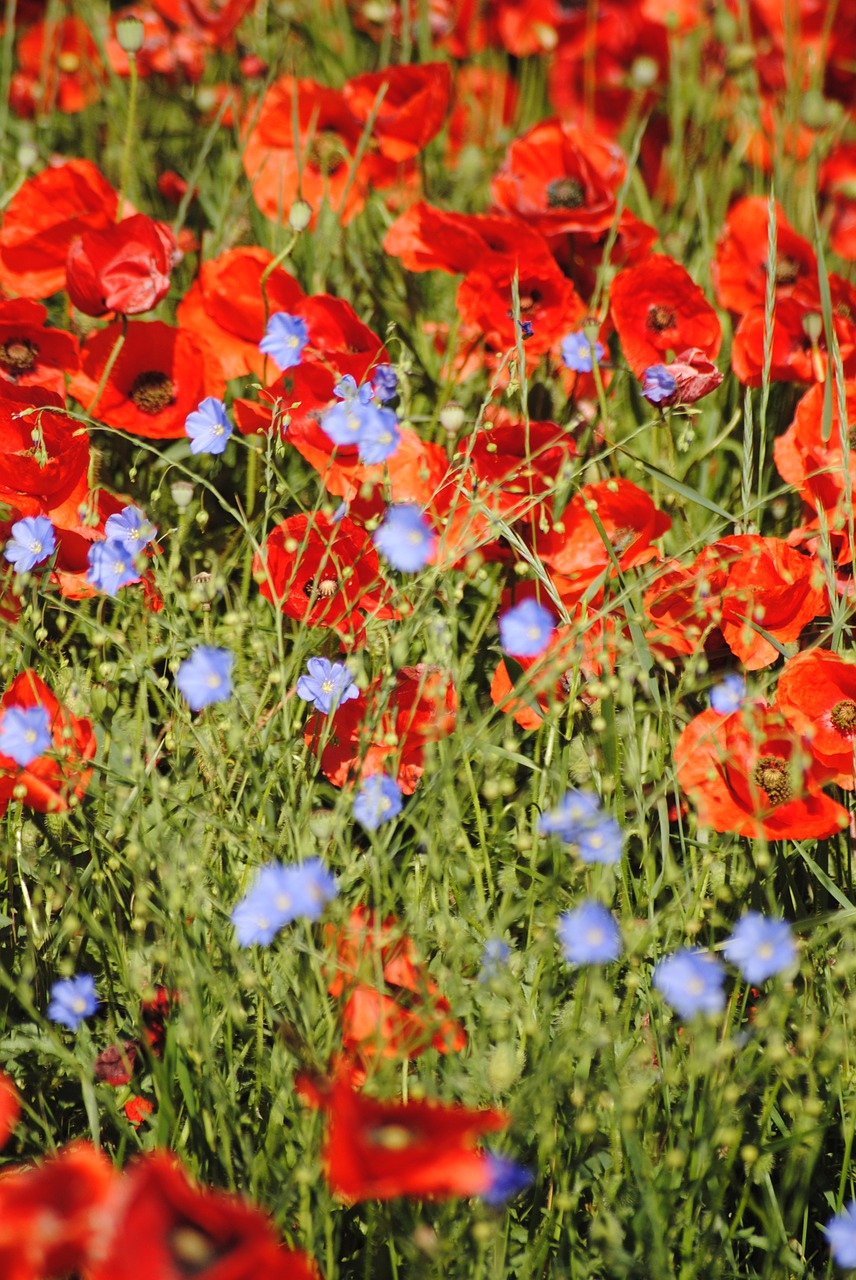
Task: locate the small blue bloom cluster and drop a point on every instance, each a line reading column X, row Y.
column 279, row 895
column 358, row 419
column 579, row 820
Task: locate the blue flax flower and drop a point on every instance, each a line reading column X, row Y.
column 132, row 526
column 658, row 384
column 31, row 543
column 377, row 801
column 507, row 1179
column 601, row 842
column 691, row 982
column 208, row 427
column 112, row 565
column 579, row 821
column 589, row 935
column 494, row 959
column 205, row 677
column 405, row 538
column 727, row 696
column 72, row 1000
column 384, row 382
column 284, row 340
column 576, row 352
column 760, row 946
column 840, row 1231
column 25, row 734
column 327, row 685
column 526, row 629
column 278, row 896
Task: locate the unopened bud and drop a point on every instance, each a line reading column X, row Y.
column 130, row 34
column 452, row 418
column 182, row 493
column 28, row 154
column 300, row 215
column 812, row 324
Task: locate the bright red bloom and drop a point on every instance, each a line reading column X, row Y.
column 817, row 693
column 753, row 773
column 213, row 23
column 799, row 351
column 548, row 301
column 30, row 354
column 575, row 548
column 39, row 475
column 51, row 780
column 814, row 466
column 411, row 110
column 372, row 736
column 10, row 1109
column 58, row 67
column 226, row 306
column 559, row 178
column 321, row 573
column 657, row 308
column 137, row 1109
column 124, row 268
column 695, row 376
column 837, row 183
column 429, row 239
column 164, row 52
column 398, row 1017
column 52, row 1214
column 379, row 1150
column 41, row 220
column 160, row 376
column 164, row 1226
column 739, row 269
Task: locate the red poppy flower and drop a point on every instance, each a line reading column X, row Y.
column 517, row 465
column 525, row 27
column 753, row 773
column 694, row 375
column 548, row 302
column 409, row 104
column 322, row 573
column 10, row 1109
column 164, row 52
column 52, row 779
column 657, row 308
column 429, row 239
column 58, row 67
column 817, row 693
column 380, row 1150
column 739, row 268
column 799, row 343
column 44, row 457
column 837, row 183
column 398, row 1017
column 575, row 548
column 560, row 178
column 137, row 1110
column 123, row 268
column 52, row 1214
column 165, row 1226
column 160, row 376
column 677, row 604
column 371, row 736
column 225, row 305
column 30, row 354
column 319, row 163
column 814, row 466
column 43, row 217
column 214, row 23
column 115, row 1064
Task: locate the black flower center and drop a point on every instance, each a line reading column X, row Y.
column 152, row 391
column 327, row 152
column 843, row 716
column 660, row 318
column 18, row 356
column 326, row 587
column 787, row 270
column 565, row 193
column 771, row 775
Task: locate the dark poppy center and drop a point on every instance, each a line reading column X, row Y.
column 622, row 539
column 787, row 270
column 193, row 1250
column 529, row 301
column 18, row 356
column 326, row 587
column 843, row 716
column 660, row 318
column 771, row 775
column 565, row 193
column 327, row 152
column 152, row 391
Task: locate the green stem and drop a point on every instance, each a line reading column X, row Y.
column 129, row 134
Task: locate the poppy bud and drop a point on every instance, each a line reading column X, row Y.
column 124, row 268
column 130, row 34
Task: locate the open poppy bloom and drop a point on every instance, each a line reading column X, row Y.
column 656, row 308
column 403, row 1016
column 50, row 780
column 225, row 305
column 52, row 1214
column 799, row 351
column 323, row 573
column 740, row 266
column 32, row 355
column 163, row 1225
column 379, row 1150
column 814, row 466
column 43, row 217
column 413, row 101
column 39, row 475
column 575, row 546
column 754, row 773
column 817, row 693
column 370, row 737
column 58, row 64
column 123, row 268
column 161, row 375
column 10, row 1108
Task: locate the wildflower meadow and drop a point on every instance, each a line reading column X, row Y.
column 427, row 614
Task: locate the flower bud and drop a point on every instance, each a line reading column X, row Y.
column 130, row 34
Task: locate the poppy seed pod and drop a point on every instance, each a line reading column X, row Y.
column 124, row 268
